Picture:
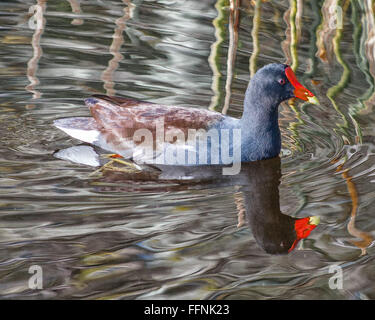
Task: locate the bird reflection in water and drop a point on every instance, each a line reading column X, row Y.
column 275, row 232
column 258, row 204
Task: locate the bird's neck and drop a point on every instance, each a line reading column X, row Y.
column 260, row 133
column 258, row 116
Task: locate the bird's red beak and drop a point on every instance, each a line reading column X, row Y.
column 299, row 90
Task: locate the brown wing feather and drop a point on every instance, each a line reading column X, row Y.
column 119, row 100
column 122, row 116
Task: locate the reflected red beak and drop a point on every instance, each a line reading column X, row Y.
column 303, row 227
column 299, row 90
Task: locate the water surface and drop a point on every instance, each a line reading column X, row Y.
column 109, row 237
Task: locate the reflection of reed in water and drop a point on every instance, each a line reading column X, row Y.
column 38, row 22
column 285, row 45
column 367, row 52
column 335, row 90
column 359, row 34
column 312, row 46
column 241, row 211
column 366, row 238
column 114, row 49
column 292, row 18
column 76, row 8
column 214, row 57
column 295, row 30
column 32, row 65
column 326, row 31
column 234, row 18
column 255, row 38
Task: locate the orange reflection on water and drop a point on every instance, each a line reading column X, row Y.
column 365, row 237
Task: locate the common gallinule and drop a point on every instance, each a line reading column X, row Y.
column 128, row 127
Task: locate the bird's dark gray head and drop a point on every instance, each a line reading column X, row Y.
column 273, row 84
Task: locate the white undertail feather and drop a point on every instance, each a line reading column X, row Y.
column 79, row 154
column 81, row 128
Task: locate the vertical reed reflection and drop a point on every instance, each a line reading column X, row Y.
column 255, row 38
column 285, row 45
column 292, row 17
column 294, row 30
column 326, row 31
column 118, row 40
column 76, row 8
column 359, row 34
column 214, row 58
column 232, row 50
column 32, row 65
column 366, row 238
column 368, row 51
column 335, row 90
column 312, row 46
column 241, row 211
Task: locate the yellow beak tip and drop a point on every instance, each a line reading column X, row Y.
column 313, row 100
column 315, row 220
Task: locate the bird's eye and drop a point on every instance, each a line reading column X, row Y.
column 282, row 81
